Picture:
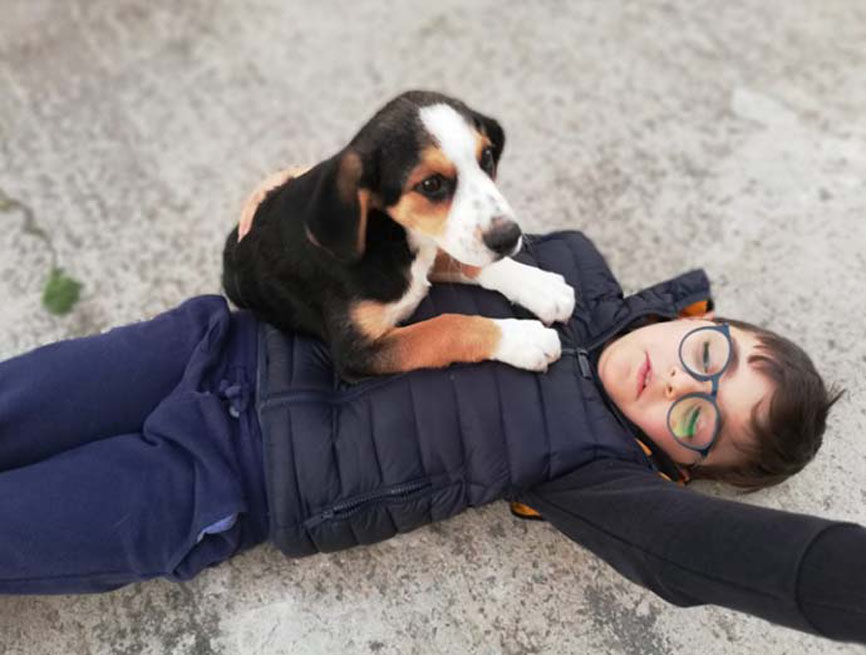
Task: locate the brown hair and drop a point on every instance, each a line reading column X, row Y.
column 789, row 434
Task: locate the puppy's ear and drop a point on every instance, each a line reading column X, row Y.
column 492, row 128
column 336, row 211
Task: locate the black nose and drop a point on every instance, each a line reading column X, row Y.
column 502, row 237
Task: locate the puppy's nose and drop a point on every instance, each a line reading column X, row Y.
column 503, row 236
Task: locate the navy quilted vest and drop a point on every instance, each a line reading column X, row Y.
column 355, row 464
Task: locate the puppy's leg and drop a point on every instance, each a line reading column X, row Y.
column 545, row 294
column 451, row 338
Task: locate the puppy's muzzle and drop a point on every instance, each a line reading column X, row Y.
column 502, row 237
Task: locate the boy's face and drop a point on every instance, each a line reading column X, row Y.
column 645, row 400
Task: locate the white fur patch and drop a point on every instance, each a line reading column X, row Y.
column 476, row 200
column 545, row 294
column 425, row 256
column 527, row 344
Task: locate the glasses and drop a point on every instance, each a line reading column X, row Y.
column 695, row 419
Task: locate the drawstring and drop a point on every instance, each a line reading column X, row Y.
column 236, row 394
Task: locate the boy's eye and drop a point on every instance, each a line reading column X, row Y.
column 706, row 357
column 692, row 422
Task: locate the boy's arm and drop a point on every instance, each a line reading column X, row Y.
column 800, row 571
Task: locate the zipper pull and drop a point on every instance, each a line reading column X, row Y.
column 313, row 521
column 583, row 363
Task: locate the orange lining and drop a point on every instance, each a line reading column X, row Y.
column 696, row 308
column 524, row 511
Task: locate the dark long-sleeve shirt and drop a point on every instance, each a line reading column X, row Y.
column 800, row 571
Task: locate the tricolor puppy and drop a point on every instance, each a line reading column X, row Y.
column 347, row 249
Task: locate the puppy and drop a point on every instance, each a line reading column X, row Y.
column 347, row 249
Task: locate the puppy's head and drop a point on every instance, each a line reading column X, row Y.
column 431, row 163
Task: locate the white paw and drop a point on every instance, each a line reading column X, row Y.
column 545, row 294
column 527, row 344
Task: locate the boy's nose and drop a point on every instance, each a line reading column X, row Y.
column 679, row 383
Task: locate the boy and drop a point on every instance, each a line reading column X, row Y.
column 164, row 447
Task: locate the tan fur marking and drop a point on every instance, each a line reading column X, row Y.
column 432, row 161
column 369, row 318
column 437, row 342
column 363, row 205
column 447, row 269
column 415, row 211
column 481, row 142
column 349, row 175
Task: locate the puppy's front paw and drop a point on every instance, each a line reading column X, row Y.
column 527, row 344
column 545, row 294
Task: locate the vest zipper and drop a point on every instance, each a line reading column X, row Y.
column 582, row 354
column 347, row 507
column 587, row 372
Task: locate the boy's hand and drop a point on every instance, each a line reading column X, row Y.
column 265, row 186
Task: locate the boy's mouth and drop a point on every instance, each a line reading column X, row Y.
column 643, row 374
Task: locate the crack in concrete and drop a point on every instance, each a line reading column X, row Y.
column 9, row 204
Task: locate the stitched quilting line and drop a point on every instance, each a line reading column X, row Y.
column 374, row 444
column 546, row 427
column 301, row 499
column 412, row 405
column 461, row 434
column 539, row 384
column 335, row 429
column 499, row 409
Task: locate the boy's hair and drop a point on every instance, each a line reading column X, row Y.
column 789, row 435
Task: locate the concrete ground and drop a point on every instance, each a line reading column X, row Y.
column 729, row 135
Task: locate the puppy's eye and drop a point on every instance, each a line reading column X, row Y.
column 488, row 162
column 434, row 187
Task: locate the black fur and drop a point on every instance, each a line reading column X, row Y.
column 300, row 267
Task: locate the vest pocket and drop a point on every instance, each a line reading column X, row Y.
column 380, row 514
column 346, row 508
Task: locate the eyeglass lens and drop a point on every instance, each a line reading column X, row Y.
column 692, row 419
column 705, row 352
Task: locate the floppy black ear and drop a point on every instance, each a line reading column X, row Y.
column 336, row 208
column 492, row 128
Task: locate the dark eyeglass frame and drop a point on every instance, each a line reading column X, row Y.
column 725, row 330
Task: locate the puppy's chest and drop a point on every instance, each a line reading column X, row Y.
column 396, row 311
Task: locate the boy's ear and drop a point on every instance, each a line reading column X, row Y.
column 336, row 211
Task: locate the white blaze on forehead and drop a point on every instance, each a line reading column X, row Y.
column 476, row 199
column 451, row 132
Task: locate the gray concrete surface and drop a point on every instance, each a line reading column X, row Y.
column 729, row 135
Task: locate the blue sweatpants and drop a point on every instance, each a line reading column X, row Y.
column 131, row 454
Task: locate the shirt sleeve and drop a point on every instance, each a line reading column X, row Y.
column 800, row 571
